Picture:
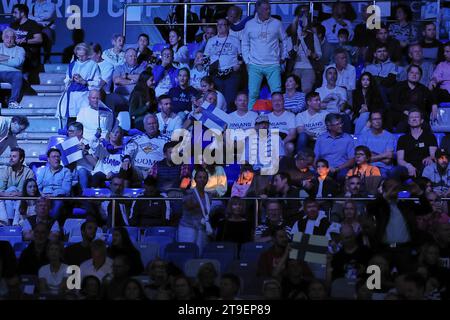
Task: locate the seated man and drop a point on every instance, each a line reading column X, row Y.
column 381, row 144
column 122, row 210
column 386, row 72
column 298, row 167
column 77, row 253
column 125, row 77
column 167, row 173
column 382, row 37
column 274, row 219
column 411, row 94
column 284, row 121
column 9, row 129
column 439, row 173
column 42, row 216
column 432, row 47
column 273, row 261
column 322, row 186
column 346, row 73
column 85, row 165
column 35, row 254
column 165, row 74
column 311, row 122
column 242, row 118
column 12, row 180
column 146, row 149
column 341, row 155
column 314, row 222
column 415, row 53
column 12, row 58
column 115, row 55
column 99, row 265
column 54, row 180
column 416, row 149
column 183, row 93
column 95, row 116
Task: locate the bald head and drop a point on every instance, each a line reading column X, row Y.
column 94, row 98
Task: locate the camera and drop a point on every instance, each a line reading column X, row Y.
column 154, row 60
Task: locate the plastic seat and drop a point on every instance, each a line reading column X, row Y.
column 319, row 270
column 149, row 252
column 161, row 231
column 11, row 239
column 96, row 192
column 180, row 252
column 19, row 247
column 250, row 251
column 162, row 241
column 11, row 231
column 224, row 252
column 133, row 192
column 192, row 266
column 247, row 272
column 71, row 223
column 29, row 283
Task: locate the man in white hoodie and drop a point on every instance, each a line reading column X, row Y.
column 264, row 49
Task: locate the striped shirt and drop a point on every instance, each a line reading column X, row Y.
column 295, row 104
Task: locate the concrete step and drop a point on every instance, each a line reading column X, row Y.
column 33, row 148
column 44, row 89
column 36, row 135
column 52, row 78
column 43, row 125
column 28, row 112
column 42, row 102
column 56, row 68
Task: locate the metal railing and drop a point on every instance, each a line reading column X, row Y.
column 248, row 13
column 255, row 199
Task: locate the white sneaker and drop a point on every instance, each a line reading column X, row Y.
column 14, row 105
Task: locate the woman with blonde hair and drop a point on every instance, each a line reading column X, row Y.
column 83, row 75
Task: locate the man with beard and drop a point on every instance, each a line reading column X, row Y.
column 439, row 173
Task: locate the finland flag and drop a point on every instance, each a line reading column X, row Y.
column 212, row 117
column 69, row 150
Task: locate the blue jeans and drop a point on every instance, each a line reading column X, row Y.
column 255, row 78
column 229, row 87
column 84, row 176
column 16, row 81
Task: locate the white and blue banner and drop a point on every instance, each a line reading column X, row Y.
column 212, row 117
column 69, row 151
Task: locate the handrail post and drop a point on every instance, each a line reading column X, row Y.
column 248, row 8
column 124, row 27
column 438, row 19
column 311, row 10
column 113, row 213
column 185, row 23
column 256, row 213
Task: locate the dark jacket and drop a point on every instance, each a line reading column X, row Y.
column 30, row 262
column 373, row 101
column 149, row 213
column 380, row 209
column 330, row 187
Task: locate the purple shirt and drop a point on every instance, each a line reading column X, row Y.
column 442, row 74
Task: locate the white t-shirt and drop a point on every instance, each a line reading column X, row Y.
column 166, row 128
column 164, row 85
column 54, row 280
column 106, row 73
column 314, row 124
column 229, row 53
column 283, row 122
column 87, row 269
column 244, row 122
column 339, row 93
column 196, row 78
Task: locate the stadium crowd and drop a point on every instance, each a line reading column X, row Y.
column 354, row 110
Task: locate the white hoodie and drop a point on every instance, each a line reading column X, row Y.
column 264, row 43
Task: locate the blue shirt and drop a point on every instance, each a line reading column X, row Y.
column 377, row 143
column 181, row 99
column 336, row 150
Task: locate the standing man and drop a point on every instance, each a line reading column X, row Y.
column 264, row 49
column 432, row 48
column 29, row 37
column 44, row 13
column 225, row 49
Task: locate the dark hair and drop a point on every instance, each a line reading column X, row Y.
column 415, row 278
column 344, row 32
column 97, row 48
column 325, row 162
column 366, row 151
column 20, row 151
column 311, row 95
column 284, row 176
column 415, row 109
column 126, row 241
column 209, row 80
column 145, row 36
column 200, row 169
column 141, row 88
column 23, row 206
column 187, row 71
column 170, row 144
column 268, row 202
column 163, row 97
column 22, row 8
column 406, row 9
column 379, row 111
column 85, row 223
column 380, row 45
column 340, row 50
column 84, row 284
column 231, row 202
column 150, row 181
column 77, row 125
column 21, row 121
column 232, row 277
column 414, row 66
column 297, row 80
column 258, row 3
column 320, row 28
column 277, row 93
column 332, row 117
column 49, row 151
column 427, row 23
column 142, row 295
column 168, row 49
column 179, row 42
column 309, row 200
